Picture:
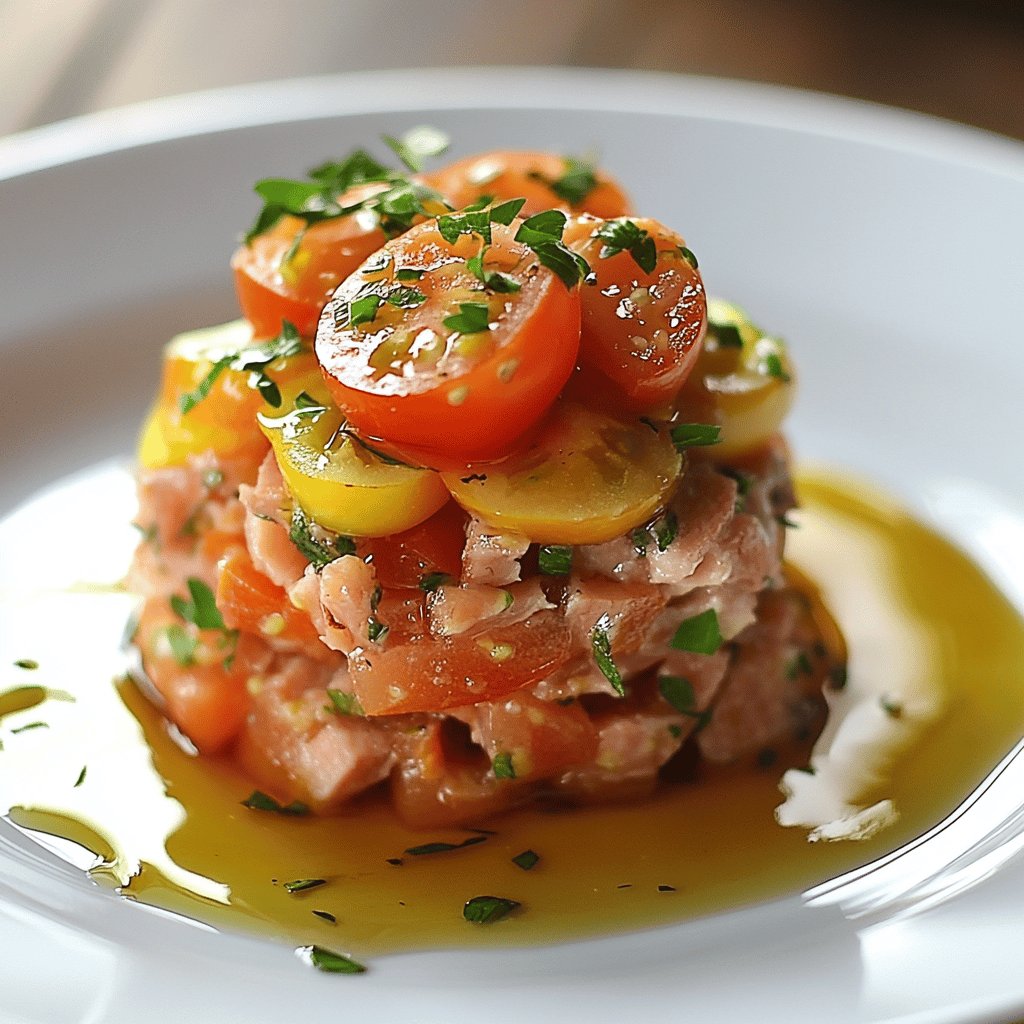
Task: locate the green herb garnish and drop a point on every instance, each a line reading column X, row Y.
column 417, row 145
column 29, row 726
column 182, row 644
column 527, row 860
column 575, row 184
column 471, row 318
column 325, row 915
column 543, row 234
column 201, row 610
column 602, row 650
column 665, row 530
column 492, row 280
column 81, row 777
column 699, row 634
column 304, row 884
column 625, row 235
column 428, row 848
column 555, row 559
column 640, row 539
column 376, row 630
column 29, row 664
column 502, row 766
column 260, row 801
column 405, row 297
column 429, row 583
column 331, row 962
column 771, row 365
column 318, row 552
column 344, row 703
column 488, row 909
column 677, row 691
column 727, row 335
column 694, row 435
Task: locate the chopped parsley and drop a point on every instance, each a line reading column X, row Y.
column 29, row 664
column 601, row 647
column 527, row 860
column 405, row 297
column 325, row 915
column 677, row 691
column 376, row 630
column 417, row 145
column 201, row 610
column 428, row 848
column 543, row 234
column 699, row 634
column 727, row 335
column 640, row 539
column 488, row 909
column 576, row 183
column 183, row 644
column 472, row 318
column 304, row 885
column 329, row 961
column 666, row 888
column 260, row 801
column 555, row 559
column 81, row 777
column 771, row 366
column 503, row 766
column 666, row 529
column 492, row 280
column 625, row 235
column 694, row 435
column 429, row 583
column 344, row 703
column 319, row 552
column 252, row 360
column 29, row 726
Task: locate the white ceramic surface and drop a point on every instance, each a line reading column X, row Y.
column 885, row 246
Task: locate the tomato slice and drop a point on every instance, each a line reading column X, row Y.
column 744, row 381
column 222, row 420
column 586, row 478
column 418, row 352
column 435, row 546
column 336, row 480
column 274, row 283
column 419, row 672
column 642, row 325
column 543, row 179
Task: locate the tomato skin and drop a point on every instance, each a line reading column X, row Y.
column 270, row 291
column 511, row 174
column 410, row 381
column 642, row 331
column 426, row 673
column 435, row 546
column 207, row 699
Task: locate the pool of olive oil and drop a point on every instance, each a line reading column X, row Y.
column 86, row 758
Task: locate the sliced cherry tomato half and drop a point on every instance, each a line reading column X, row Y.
column 276, row 280
column 645, row 312
column 543, row 179
column 418, row 352
column 586, row 478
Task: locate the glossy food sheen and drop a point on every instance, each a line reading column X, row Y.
column 97, row 764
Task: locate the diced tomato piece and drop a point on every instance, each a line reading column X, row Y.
column 435, row 546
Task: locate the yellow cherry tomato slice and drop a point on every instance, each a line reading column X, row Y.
column 223, row 416
column 744, row 381
column 586, row 478
column 337, row 480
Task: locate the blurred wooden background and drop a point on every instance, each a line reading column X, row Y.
column 960, row 59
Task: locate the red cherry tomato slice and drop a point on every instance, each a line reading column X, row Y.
column 418, row 353
column 642, row 326
column 543, row 179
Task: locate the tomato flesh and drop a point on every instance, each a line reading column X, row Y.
column 642, row 328
column 409, row 376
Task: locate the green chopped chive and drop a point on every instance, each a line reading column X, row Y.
column 472, row 318
column 31, row 725
column 260, row 801
column 699, row 634
column 183, row 645
column 488, row 909
column 417, row 145
column 502, row 766
column 329, row 961
column 601, row 647
column 527, row 860
column 555, row 559
column 429, row 583
column 429, row 848
column 318, row 552
column 29, row 664
column 344, row 703
column 81, row 777
column 625, row 235
column 325, row 915
column 694, row 435
column 201, row 610
column 304, row 884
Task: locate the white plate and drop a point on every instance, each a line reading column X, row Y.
column 885, row 246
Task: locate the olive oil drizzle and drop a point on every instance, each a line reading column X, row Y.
column 169, row 829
